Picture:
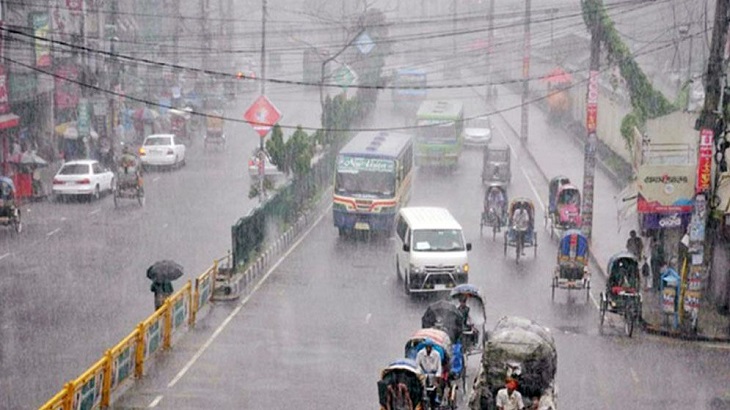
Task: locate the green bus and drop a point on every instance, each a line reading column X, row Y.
column 440, row 138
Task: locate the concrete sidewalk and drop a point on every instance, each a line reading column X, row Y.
column 556, row 151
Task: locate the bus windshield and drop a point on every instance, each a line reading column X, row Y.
column 365, row 176
column 437, row 240
column 444, row 132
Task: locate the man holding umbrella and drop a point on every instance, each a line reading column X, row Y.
column 162, row 274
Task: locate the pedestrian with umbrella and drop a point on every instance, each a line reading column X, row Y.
column 162, row 273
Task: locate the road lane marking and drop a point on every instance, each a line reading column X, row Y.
column 95, row 211
column 5, row 256
column 522, row 169
column 155, row 179
column 634, row 375
column 240, row 306
column 368, row 317
column 155, row 402
column 53, row 232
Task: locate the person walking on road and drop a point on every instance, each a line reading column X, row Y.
column 635, row 245
column 658, row 259
column 162, row 290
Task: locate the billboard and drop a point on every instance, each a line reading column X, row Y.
column 665, row 189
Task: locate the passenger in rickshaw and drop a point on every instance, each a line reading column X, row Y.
column 620, row 279
column 467, row 324
column 429, row 360
column 521, row 225
column 129, row 164
column 497, row 201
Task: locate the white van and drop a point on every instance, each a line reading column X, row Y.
column 431, row 253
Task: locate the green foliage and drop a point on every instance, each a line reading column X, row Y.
column 647, row 102
column 276, row 148
column 300, row 149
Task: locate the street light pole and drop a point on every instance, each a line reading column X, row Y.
column 262, row 85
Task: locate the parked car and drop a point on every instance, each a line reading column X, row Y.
column 270, row 170
column 478, row 132
column 162, row 150
column 82, row 178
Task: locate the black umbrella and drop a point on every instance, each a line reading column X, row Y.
column 165, row 270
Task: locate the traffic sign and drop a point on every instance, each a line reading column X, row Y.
column 344, row 76
column 262, row 115
column 364, row 43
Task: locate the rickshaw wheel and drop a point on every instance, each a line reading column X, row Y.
column 17, row 223
column 481, row 226
column 629, row 320
column 505, row 244
column 116, row 197
column 140, row 196
column 553, row 285
column 534, row 244
column 602, row 314
column 494, row 232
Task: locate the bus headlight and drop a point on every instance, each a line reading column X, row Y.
column 416, row 269
column 465, row 268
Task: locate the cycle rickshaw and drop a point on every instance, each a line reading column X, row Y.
column 622, row 295
column 563, row 206
column 451, row 364
column 512, row 236
column 496, row 164
column 401, row 386
column 128, row 181
column 572, row 272
column 473, row 329
column 494, row 215
column 9, row 210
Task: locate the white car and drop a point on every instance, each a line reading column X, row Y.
column 82, row 178
column 270, row 170
column 478, row 132
column 162, row 150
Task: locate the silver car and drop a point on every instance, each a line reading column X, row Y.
column 478, row 132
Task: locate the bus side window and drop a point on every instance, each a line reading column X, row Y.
column 401, row 229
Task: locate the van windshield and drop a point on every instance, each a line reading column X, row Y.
column 438, row 240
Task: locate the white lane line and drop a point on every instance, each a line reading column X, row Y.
column 155, row 179
column 386, row 280
column 5, row 256
column 634, row 375
column 240, row 306
column 95, row 211
column 63, row 218
column 155, row 402
column 368, row 317
column 522, row 169
column 53, row 232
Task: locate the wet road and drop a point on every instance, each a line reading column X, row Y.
column 327, row 319
column 73, row 284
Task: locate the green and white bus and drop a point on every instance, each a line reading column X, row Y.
column 440, row 138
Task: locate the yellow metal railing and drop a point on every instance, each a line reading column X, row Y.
column 124, row 363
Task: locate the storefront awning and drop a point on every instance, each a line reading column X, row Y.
column 9, row 121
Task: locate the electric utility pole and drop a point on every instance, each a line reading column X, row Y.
column 589, row 154
column 711, row 135
column 490, row 49
column 526, row 74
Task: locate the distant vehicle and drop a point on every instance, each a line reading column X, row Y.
column 478, row 132
column 440, row 133
column 373, row 175
column 410, row 89
column 162, row 150
column 82, row 178
column 270, row 170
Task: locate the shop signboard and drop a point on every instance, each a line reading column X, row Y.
column 67, row 91
column 4, row 102
column 40, row 22
column 704, row 162
column 83, row 120
column 665, row 189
